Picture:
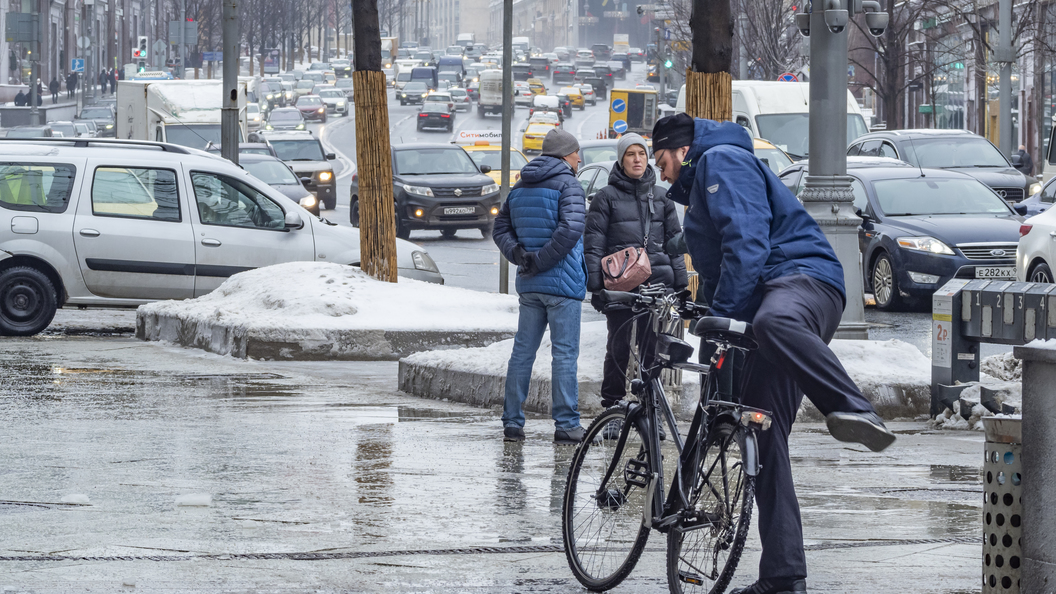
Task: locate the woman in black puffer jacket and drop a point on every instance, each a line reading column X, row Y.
column 617, row 220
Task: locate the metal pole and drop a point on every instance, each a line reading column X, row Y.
column 183, row 35
column 229, row 110
column 661, row 68
column 827, row 195
column 34, row 71
column 507, row 124
column 1005, row 56
column 742, row 50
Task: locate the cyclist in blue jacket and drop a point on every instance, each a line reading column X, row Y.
column 763, row 259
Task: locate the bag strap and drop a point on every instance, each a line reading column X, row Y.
column 648, row 226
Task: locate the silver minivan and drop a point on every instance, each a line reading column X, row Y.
column 119, row 223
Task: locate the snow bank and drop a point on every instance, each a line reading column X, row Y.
column 76, row 498
column 314, row 310
column 1004, row 367
column 194, row 500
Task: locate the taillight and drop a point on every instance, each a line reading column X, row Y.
column 445, row 115
column 1024, row 229
column 423, row 115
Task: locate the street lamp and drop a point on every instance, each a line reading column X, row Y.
column 827, row 195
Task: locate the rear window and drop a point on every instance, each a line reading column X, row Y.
column 36, row 187
column 135, row 193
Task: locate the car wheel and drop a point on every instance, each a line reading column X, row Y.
column 884, row 281
column 403, row 103
column 1041, row 274
column 448, row 233
column 329, row 205
column 353, row 212
column 27, row 301
column 402, row 232
column 324, row 118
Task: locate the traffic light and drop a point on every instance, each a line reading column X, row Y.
column 142, row 45
column 668, row 63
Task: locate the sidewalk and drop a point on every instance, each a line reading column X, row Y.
column 320, row 475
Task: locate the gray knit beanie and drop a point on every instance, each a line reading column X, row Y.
column 627, row 141
column 560, row 144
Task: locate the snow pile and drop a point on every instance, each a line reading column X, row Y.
column 194, row 500
column 1004, row 367
column 318, row 295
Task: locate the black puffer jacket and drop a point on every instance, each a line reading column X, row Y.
column 616, row 220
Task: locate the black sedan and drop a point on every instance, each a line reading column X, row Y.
column 435, row 115
column 278, row 175
column 923, row 227
column 413, row 92
column 438, row 186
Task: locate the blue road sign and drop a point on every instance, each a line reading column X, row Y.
column 619, row 126
column 77, row 65
column 212, row 56
column 667, row 34
column 788, row 77
column 618, row 105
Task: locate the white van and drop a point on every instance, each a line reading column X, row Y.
column 1048, row 162
column 780, row 113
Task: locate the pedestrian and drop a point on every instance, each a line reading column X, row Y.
column 21, row 99
column 113, row 81
column 629, row 213
column 1026, row 164
column 40, row 89
column 763, row 259
column 540, row 229
column 71, row 84
column 54, row 87
column 103, row 80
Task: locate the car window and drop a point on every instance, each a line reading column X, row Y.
column 434, row 161
column 861, row 200
column 958, row 151
column 280, row 115
column 1048, row 193
column 791, row 180
column 271, row 172
column 600, row 181
column 136, row 193
column 586, row 178
column 298, row 150
column 931, row 196
column 854, row 150
column 886, row 150
column 36, row 187
column 870, row 149
column 493, row 159
column 595, row 154
column 228, row 202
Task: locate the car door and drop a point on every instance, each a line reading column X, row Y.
column 586, row 180
column 239, row 227
column 132, row 231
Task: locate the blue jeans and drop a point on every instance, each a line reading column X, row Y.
column 563, row 316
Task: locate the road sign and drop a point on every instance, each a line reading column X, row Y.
column 618, row 105
column 667, row 34
column 190, row 32
column 77, row 65
column 788, row 77
column 619, row 126
column 84, row 42
column 212, row 56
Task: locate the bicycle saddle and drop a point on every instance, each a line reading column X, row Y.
column 733, row 332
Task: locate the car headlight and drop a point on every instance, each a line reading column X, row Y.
column 1034, row 188
column 108, row 126
column 403, row 95
column 422, row 261
column 269, row 127
column 489, row 189
column 925, row 244
column 322, row 109
column 309, row 202
column 420, row 190
column 325, row 176
column 300, row 126
column 340, row 103
column 271, row 97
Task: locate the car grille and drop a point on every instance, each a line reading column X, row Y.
column 450, row 192
column 982, row 251
column 1010, row 194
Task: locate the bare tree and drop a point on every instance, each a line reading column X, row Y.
column 769, row 38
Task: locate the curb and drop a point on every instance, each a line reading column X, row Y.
column 307, row 344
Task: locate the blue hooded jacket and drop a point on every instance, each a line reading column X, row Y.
column 744, row 228
column 545, row 214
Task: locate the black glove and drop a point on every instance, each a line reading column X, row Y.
column 596, row 302
column 518, row 254
column 528, row 267
column 676, row 246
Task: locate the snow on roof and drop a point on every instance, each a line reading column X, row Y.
column 183, row 96
column 319, row 295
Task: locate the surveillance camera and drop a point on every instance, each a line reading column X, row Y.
column 803, row 23
column 877, row 22
column 836, row 20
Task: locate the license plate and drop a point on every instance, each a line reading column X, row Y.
column 995, row 272
column 460, row 210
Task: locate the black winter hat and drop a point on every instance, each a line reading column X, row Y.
column 673, row 132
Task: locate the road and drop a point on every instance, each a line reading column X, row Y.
column 467, row 260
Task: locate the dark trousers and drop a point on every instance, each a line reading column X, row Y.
column 618, row 353
column 797, row 319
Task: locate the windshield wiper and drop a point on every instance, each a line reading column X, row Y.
column 304, row 159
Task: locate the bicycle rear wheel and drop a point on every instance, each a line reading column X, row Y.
column 703, row 552
column 604, row 529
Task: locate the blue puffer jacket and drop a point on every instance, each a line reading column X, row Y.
column 544, row 213
column 743, row 227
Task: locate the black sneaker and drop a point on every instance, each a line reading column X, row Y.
column 611, row 432
column 569, row 436
column 864, row 428
column 774, row 587
column 513, row 434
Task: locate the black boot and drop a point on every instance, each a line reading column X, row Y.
column 774, row 586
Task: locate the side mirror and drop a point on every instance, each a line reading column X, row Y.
column 1021, row 209
column 293, row 221
column 330, row 156
column 306, row 180
column 485, row 169
column 1017, row 161
column 866, row 219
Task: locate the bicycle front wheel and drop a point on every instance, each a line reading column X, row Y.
column 703, row 552
column 603, row 525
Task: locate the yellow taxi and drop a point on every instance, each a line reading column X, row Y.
column 485, row 153
column 574, row 96
column 534, row 135
column 774, row 157
column 536, row 86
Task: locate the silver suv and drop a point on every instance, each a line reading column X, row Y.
column 120, row 223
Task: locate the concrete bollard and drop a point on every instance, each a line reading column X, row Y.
column 1002, row 505
column 1039, row 474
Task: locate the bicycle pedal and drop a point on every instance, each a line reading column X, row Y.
column 690, row 578
column 636, row 472
column 611, row 499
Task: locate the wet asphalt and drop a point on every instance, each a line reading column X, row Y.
column 323, row 477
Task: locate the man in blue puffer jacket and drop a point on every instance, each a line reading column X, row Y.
column 540, row 229
column 763, row 259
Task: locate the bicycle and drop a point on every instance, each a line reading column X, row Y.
column 615, row 490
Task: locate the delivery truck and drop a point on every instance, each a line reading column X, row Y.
column 184, row 112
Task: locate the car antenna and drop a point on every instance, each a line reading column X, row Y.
column 916, row 155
